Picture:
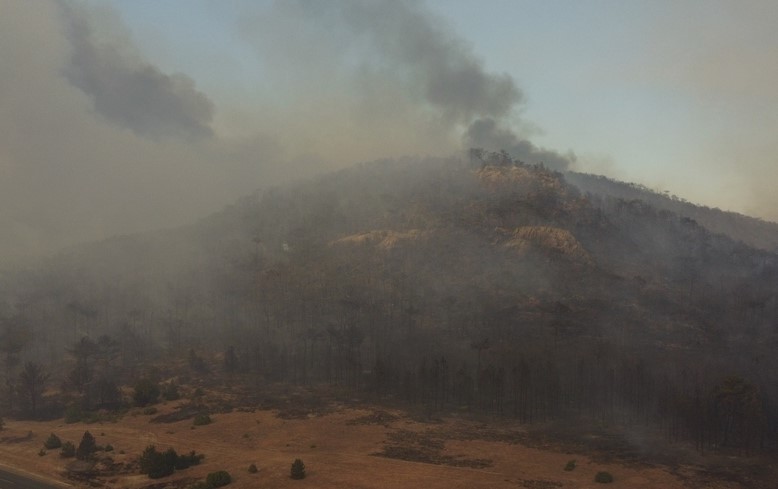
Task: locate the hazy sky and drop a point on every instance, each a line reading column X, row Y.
column 124, row 115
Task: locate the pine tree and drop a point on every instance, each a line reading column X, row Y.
column 87, row 447
column 298, row 469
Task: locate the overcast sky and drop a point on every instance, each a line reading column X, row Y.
column 124, row 115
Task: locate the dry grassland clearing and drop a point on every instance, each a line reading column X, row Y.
column 342, row 447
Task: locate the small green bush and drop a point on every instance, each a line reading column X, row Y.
column 253, row 469
column 108, row 448
column 73, row 414
column 186, row 461
column 42, row 452
column 87, row 447
column 161, row 464
column 157, row 464
column 68, row 450
column 202, row 419
column 150, row 410
column 170, row 392
column 570, row 465
column 146, row 392
column 218, row 479
column 298, row 469
column 52, row 442
column 603, row 477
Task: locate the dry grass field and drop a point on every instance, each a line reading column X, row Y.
column 342, row 447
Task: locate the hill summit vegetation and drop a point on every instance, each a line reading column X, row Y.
column 486, row 286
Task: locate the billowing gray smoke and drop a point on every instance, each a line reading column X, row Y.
column 399, row 43
column 131, row 92
column 487, row 133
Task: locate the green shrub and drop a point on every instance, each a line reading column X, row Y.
column 202, row 420
column 41, row 452
column 298, row 469
column 253, row 469
column 87, row 447
column 603, row 477
column 73, row 414
column 150, row 410
column 157, row 464
column 161, row 464
column 108, row 448
column 52, row 442
column 218, row 479
column 146, row 392
column 68, row 450
column 170, row 392
column 570, row 465
column 186, row 461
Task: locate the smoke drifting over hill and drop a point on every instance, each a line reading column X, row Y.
column 130, row 92
column 97, row 140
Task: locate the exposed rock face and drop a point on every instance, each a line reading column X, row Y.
column 548, row 239
column 382, row 239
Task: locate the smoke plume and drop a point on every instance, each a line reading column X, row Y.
column 96, row 139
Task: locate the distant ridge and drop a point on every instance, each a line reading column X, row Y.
column 753, row 231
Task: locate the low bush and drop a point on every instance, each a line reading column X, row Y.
column 298, row 469
column 68, row 450
column 146, row 392
column 52, row 442
column 570, row 465
column 603, row 477
column 253, row 469
column 42, row 452
column 218, row 479
column 73, row 414
column 161, row 464
column 202, row 419
column 170, row 392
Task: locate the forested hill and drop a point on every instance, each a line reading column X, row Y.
column 440, row 281
column 755, row 232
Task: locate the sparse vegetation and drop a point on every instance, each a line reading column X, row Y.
column 253, row 469
column 570, row 466
column 298, row 469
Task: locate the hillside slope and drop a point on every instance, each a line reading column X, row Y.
column 497, row 285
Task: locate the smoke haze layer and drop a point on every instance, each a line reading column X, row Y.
column 97, row 140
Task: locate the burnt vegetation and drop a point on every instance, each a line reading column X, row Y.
column 489, row 287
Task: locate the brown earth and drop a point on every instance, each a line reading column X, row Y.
column 342, row 447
